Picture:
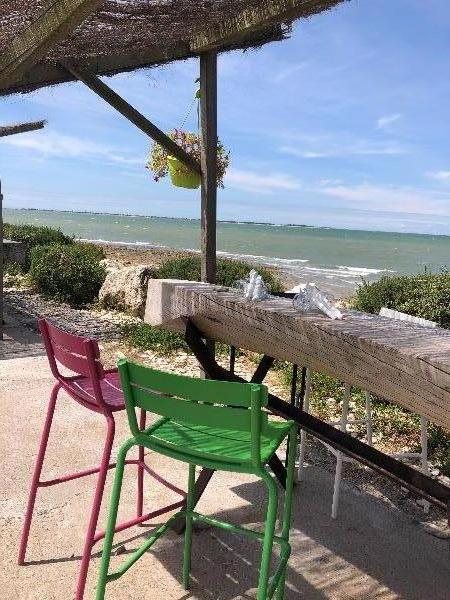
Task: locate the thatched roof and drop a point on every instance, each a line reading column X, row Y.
column 123, row 35
column 6, row 130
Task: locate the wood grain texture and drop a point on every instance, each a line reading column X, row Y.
column 266, row 13
column 134, row 116
column 403, row 363
column 57, row 19
column 208, row 122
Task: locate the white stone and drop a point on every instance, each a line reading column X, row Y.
column 125, row 288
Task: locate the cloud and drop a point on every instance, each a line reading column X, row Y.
column 358, row 148
column 63, row 146
column 398, row 199
column 287, row 72
column 439, row 175
column 252, row 181
column 386, row 121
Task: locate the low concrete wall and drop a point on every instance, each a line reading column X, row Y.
column 13, row 251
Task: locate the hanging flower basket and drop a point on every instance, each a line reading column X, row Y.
column 162, row 164
column 181, row 176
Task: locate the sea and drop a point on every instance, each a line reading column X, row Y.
column 337, row 260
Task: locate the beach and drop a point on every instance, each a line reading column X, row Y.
column 337, row 260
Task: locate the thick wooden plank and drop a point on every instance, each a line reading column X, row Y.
column 56, row 20
column 6, row 130
column 267, row 12
column 403, row 363
column 134, row 116
column 208, row 119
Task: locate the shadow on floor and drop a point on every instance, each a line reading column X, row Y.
column 19, row 341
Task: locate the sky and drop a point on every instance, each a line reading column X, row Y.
column 346, row 124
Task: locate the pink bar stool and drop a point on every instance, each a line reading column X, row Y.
column 98, row 390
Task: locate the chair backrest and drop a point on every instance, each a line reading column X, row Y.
column 79, row 355
column 218, row 404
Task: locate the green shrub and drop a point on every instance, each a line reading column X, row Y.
column 67, row 273
column 147, row 337
column 12, row 268
column 34, row 235
column 426, row 295
column 228, row 271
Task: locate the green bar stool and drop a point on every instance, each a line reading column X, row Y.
column 215, row 424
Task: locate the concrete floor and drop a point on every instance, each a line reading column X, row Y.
column 370, row 552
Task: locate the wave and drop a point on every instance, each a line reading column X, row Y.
column 337, row 278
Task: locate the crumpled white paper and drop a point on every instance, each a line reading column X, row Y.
column 311, row 297
column 253, row 288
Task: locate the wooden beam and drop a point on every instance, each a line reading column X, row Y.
column 56, row 20
column 208, row 121
column 266, row 13
column 21, row 128
column 402, row 363
column 134, row 116
column 47, row 73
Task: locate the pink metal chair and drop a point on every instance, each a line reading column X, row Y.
column 98, row 390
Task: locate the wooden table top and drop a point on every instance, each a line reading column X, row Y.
column 398, row 361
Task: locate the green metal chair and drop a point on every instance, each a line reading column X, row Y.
column 214, row 424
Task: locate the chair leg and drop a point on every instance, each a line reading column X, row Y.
column 339, row 456
column 190, row 503
column 37, row 473
column 140, row 474
column 287, row 512
column 269, row 532
column 92, row 527
column 303, row 434
column 112, row 519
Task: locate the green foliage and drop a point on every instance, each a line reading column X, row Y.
column 34, row 235
column 426, row 295
column 190, row 142
column 13, row 269
column 147, row 337
column 67, row 273
column 228, row 271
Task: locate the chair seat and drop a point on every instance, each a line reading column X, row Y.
column 81, row 387
column 222, row 445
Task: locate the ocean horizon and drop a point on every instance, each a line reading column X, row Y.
column 336, row 259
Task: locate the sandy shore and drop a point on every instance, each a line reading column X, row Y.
column 155, row 257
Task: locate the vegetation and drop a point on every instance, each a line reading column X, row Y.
column 35, row 235
column 426, row 295
column 151, row 338
column 67, row 273
column 228, row 271
column 190, row 142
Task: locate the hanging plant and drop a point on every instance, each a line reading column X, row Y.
column 161, row 163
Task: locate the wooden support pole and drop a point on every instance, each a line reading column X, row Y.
column 208, row 121
column 56, row 20
column 134, row 116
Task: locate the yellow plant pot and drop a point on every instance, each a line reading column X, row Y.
column 181, row 176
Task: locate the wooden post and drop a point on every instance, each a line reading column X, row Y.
column 208, row 122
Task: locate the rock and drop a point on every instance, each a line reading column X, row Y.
column 125, row 288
